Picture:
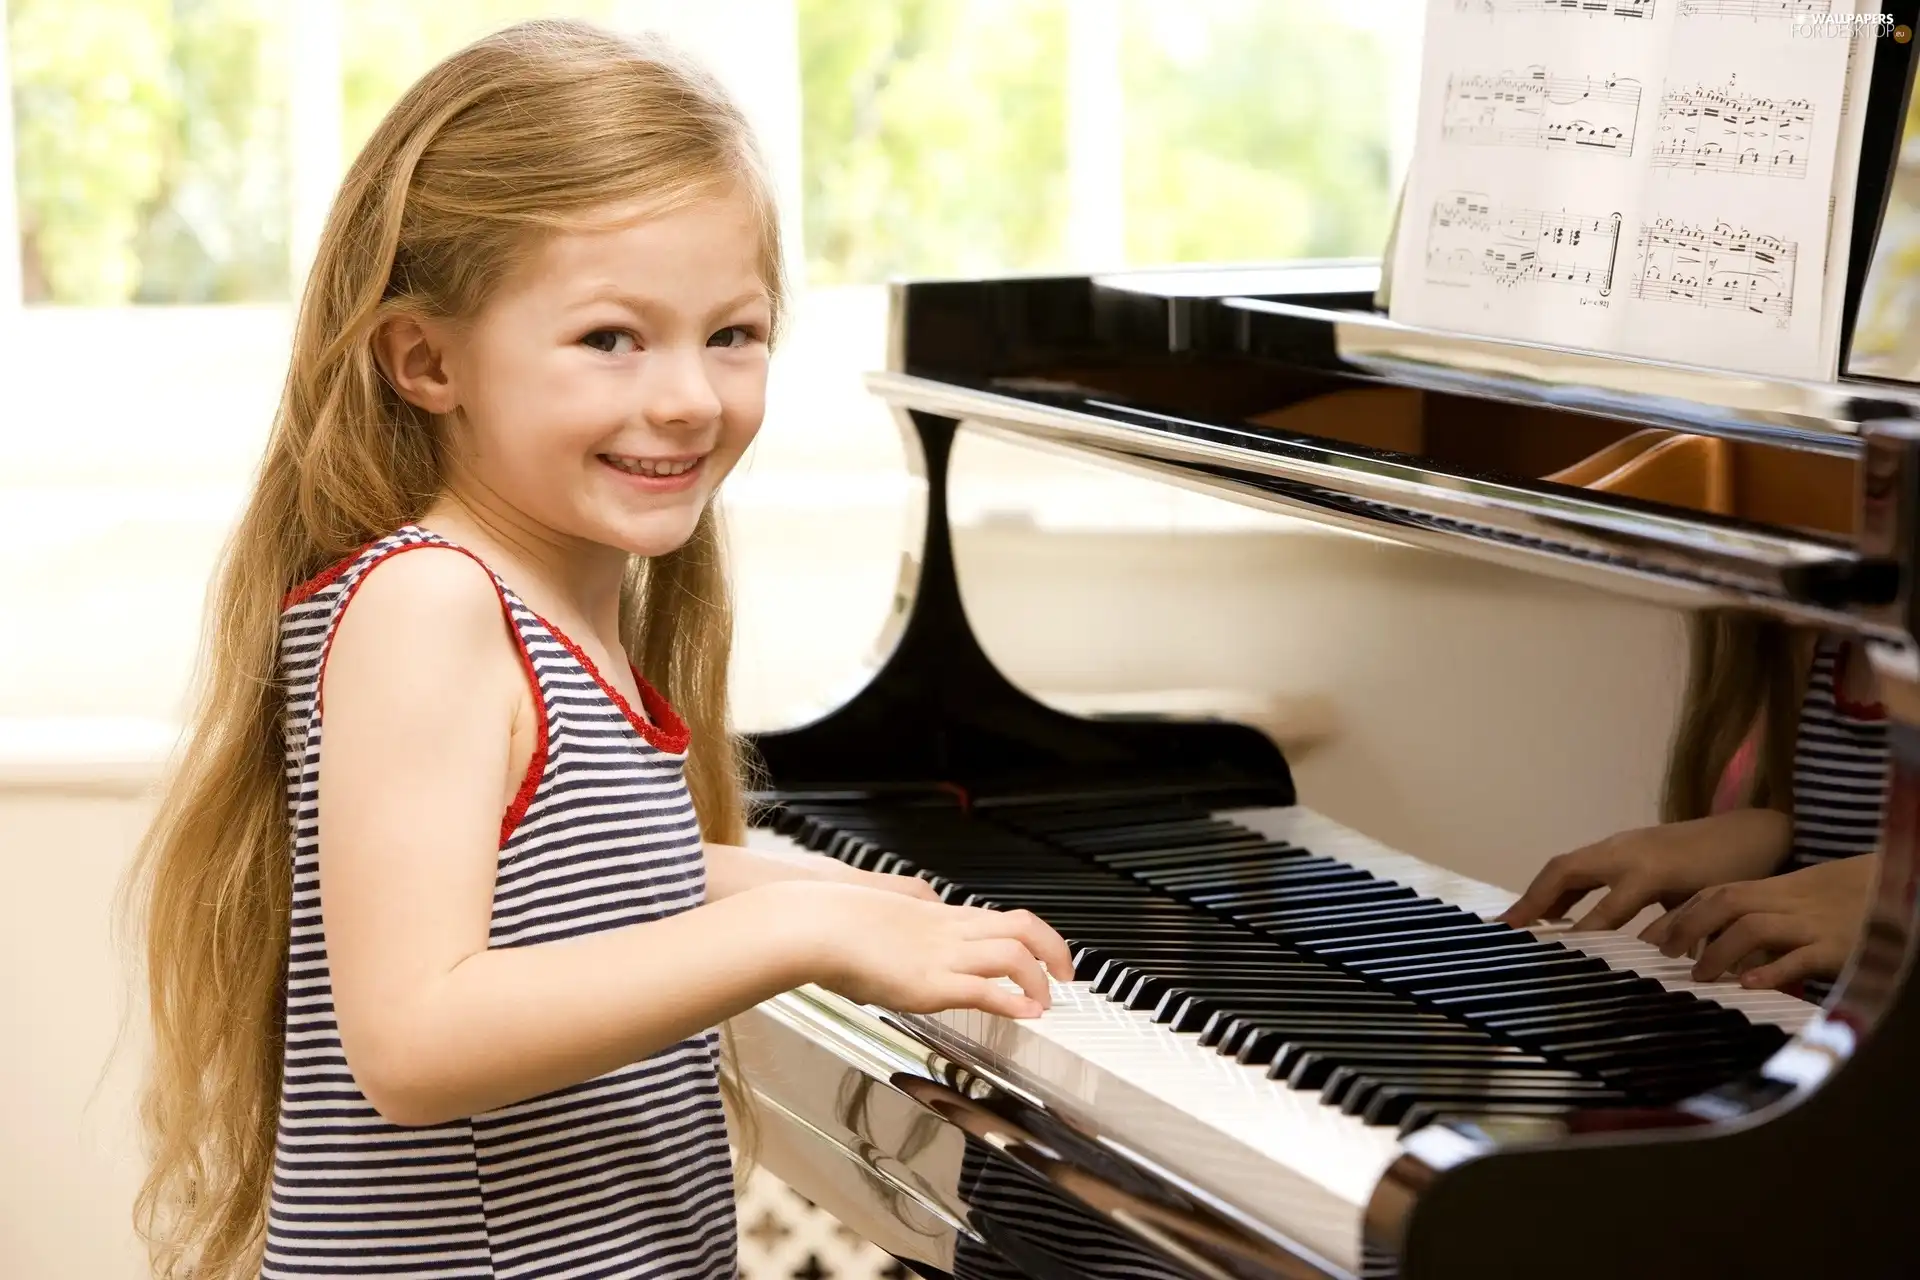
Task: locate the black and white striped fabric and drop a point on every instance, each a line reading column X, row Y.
column 627, row 1175
column 1839, row 765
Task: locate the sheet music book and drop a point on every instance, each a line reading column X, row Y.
column 1670, row 179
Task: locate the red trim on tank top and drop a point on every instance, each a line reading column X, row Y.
column 537, row 763
column 1852, row 710
column 325, row 578
column 661, row 726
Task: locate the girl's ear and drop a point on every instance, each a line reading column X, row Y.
column 412, row 356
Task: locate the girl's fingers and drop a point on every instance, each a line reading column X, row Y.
column 1706, row 914
column 1560, row 884
column 1033, row 933
column 1655, row 933
column 1759, row 931
column 913, row 887
column 1625, row 902
column 1045, row 944
column 971, row 992
column 1005, row 958
column 1804, row 962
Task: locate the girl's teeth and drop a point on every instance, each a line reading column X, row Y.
column 645, row 467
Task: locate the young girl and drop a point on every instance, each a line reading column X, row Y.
column 1773, row 799
column 431, row 993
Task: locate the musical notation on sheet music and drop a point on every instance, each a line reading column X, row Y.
column 1615, row 8
column 1698, row 118
column 1717, row 267
column 1539, row 109
column 1726, row 131
column 1470, row 240
column 1754, row 8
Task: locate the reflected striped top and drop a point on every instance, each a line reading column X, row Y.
column 1839, row 765
column 627, row 1175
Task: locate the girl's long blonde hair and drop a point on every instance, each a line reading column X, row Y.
column 534, row 130
column 1746, row 676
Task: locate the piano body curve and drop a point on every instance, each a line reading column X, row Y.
column 1105, row 1139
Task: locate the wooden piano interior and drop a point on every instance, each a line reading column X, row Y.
column 1769, row 484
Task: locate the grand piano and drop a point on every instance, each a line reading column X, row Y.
column 1289, row 1050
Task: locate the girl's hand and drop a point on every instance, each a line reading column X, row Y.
column 910, row 886
column 1801, row 925
column 901, row 953
column 1666, row 864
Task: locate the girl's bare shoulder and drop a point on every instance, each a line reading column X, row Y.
column 428, row 618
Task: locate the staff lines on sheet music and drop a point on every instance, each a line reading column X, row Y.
column 1536, row 108
column 1592, row 8
column 1727, row 131
column 1753, row 8
column 1716, row 267
column 1470, row 240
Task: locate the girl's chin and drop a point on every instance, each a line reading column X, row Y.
column 652, row 533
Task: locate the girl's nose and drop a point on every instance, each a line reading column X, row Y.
column 676, row 388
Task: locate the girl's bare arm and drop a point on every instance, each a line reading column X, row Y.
column 732, row 869
column 420, row 693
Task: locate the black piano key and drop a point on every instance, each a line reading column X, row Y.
column 1538, row 1019
column 1482, row 977
column 1422, row 1114
column 1411, row 968
column 1230, row 1031
column 1278, row 1048
column 1264, row 905
column 1351, row 1088
column 1390, row 1103
column 1199, row 1015
column 1233, row 1036
column 1676, row 1025
column 1470, row 934
column 1522, row 992
column 1169, row 991
column 1310, row 926
column 1315, row 1068
column 1635, row 1045
column 1174, row 857
column 1222, row 873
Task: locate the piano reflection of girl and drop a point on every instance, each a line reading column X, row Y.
column 1773, row 794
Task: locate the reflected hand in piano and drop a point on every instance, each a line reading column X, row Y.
column 1663, row 865
column 1835, row 792
column 1788, row 928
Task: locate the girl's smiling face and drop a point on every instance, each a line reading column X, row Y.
column 612, row 381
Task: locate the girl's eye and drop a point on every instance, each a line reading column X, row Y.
column 610, row 341
column 734, row 335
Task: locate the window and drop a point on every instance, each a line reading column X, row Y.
column 172, row 161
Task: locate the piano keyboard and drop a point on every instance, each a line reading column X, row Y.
column 1620, row 950
column 1302, row 990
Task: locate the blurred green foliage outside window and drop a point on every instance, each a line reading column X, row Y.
column 152, row 135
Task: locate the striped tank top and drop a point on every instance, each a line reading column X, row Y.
column 1839, row 764
column 627, row 1175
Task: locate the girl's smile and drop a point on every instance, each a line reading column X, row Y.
column 655, row 475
